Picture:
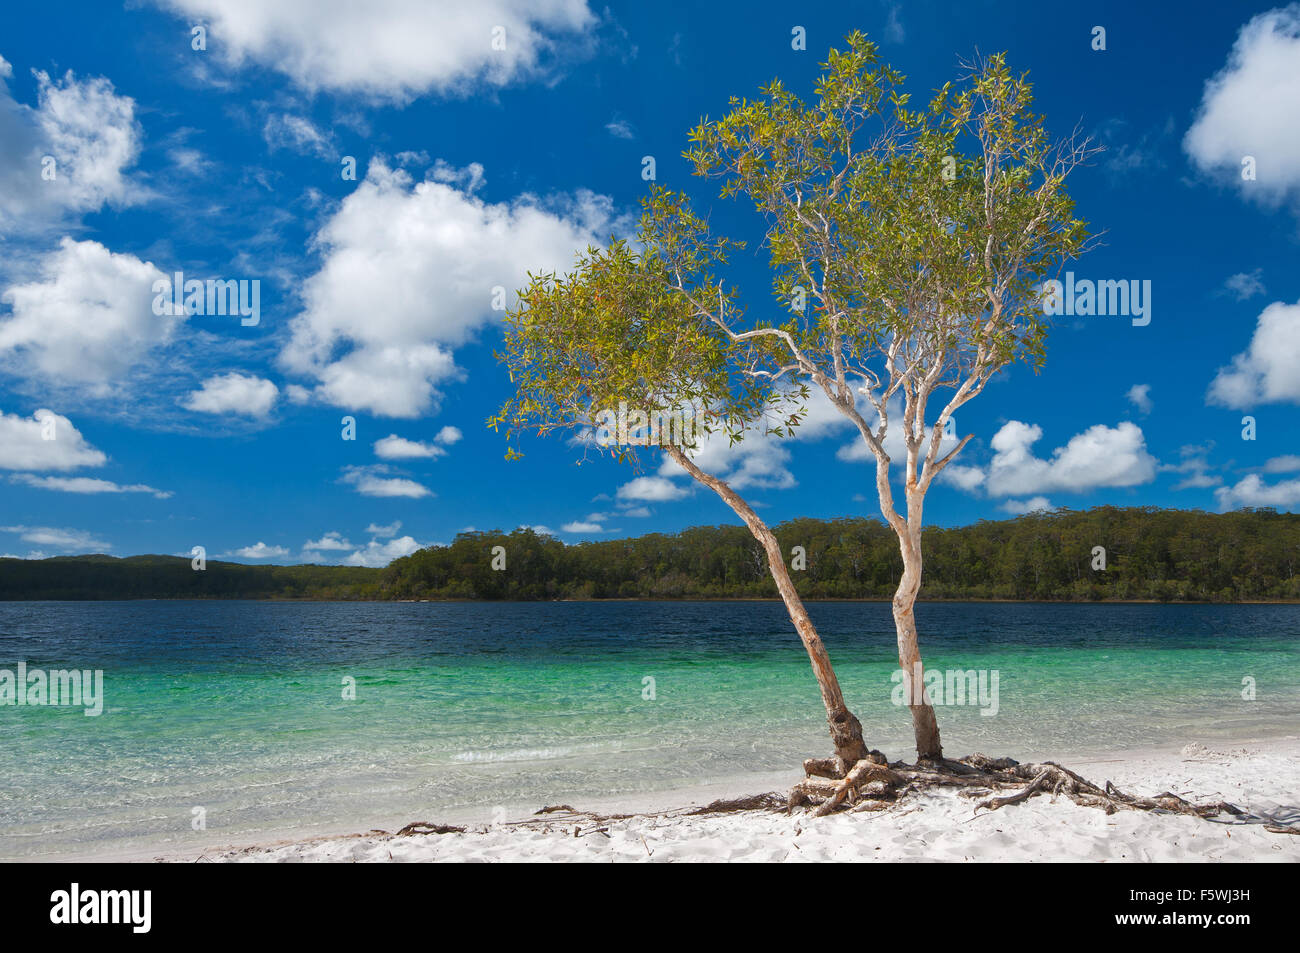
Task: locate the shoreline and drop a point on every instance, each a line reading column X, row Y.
column 875, row 600
column 1261, row 775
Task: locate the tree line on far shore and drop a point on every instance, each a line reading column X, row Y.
column 1150, row 554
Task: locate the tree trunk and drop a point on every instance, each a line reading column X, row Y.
column 924, row 725
column 846, row 730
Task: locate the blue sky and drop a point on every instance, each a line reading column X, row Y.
column 474, row 165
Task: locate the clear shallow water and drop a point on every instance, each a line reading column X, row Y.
column 237, row 707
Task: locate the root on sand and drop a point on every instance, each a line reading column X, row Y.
column 873, row 784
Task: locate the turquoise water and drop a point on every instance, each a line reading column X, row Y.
column 462, row 710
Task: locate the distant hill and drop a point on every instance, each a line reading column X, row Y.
column 1150, row 553
column 171, row 577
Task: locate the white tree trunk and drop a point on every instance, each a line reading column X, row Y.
column 924, row 725
column 846, row 730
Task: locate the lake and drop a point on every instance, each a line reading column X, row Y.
column 235, row 712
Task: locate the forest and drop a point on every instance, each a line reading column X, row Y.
column 1150, row 554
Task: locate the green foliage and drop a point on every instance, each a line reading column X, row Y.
column 1151, row 554
column 918, row 238
column 172, row 577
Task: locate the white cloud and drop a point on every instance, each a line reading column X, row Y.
column 1268, row 371
column 449, row 435
column 1035, row 504
column 86, row 485
column 260, row 550
column 582, row 526
column 373, row 481
column 63, row 540
column 964, row 478
column 1101, row 456
column 383, row 532
column 1244, row 286
column 1287, row 463
column 233, row 393
column 394, row 447
column 388, row 49
column 93, row 137
column 408, row 274
column 331, row 540
column 378, row 554
column 1198, row 480
column 1139, row 395
column 653, row 489
column 23, row 445
column 1253, row 491
column 1248, row 109
column 87, row 322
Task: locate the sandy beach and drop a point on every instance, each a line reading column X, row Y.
column 1262, row 777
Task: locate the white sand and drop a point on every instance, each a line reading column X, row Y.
column 1262, row 777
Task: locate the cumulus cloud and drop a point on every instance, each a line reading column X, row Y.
column 388, row 49
column 1101, row 456
column 86, row 485
column 964, row 478
column 92, row 136
column 1035, row 504
column 1251, row 490
column 652, row 489
column 449, row 435
column 61, row 540
column 378, row 554
column 233, row 393
column 374, row 481
column 383, row 532
column 1287, row 463
column 1268, row 371
column 394, row 447
column 408, row 274
column 44, row 441
column 87, row 321
column 1248, row 109
column 582, row 526
column 260, row 550
column 331, row 540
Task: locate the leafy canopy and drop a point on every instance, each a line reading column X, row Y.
column 916, row 241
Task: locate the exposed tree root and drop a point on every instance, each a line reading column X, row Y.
column 874, row 785
column 757, row 802
column 428, row 827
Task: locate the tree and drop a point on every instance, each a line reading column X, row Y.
column 922, row 265
column 922, row 238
